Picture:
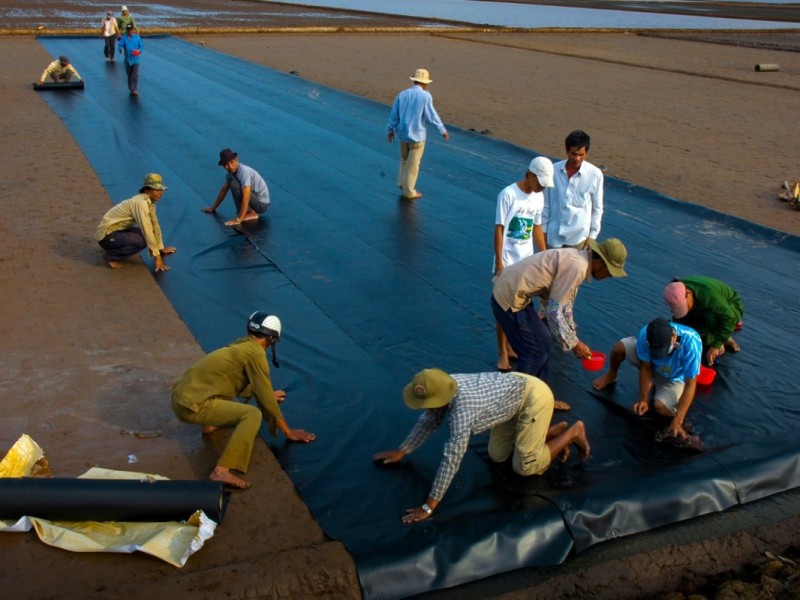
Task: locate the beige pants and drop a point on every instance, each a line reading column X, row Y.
column 410, row 157
column 525, row 435
column 245, row 419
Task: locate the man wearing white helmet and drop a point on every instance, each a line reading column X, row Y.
column 207, row 395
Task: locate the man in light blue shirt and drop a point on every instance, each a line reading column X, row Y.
column 249, row 190
column 668, row 358
column 573, row 209
column 411, row 108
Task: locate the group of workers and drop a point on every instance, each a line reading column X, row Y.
column 120, row 29
column 546, row 246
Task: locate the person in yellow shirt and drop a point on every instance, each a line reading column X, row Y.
column 132, row 225
column 207, row 395
column 60, row 71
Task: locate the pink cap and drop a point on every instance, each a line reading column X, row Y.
column 675, row 297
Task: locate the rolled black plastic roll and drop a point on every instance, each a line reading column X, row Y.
column 67, row 85
column 61, row 499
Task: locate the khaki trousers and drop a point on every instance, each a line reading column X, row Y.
column 245, row 419
column 525, row 435
column 410, row 157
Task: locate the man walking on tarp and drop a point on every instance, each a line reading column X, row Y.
column 667, row 356
column 249, row 190
column 411, row 108
column 207, row 395
column 710, row 307
column 516, row 407
column 110, row 32
column 130, row 45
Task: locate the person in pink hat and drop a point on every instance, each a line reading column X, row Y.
column 710, row 307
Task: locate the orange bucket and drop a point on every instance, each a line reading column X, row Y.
column 706, row 376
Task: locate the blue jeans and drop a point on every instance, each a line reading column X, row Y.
column 124, row 243
column 528, row 336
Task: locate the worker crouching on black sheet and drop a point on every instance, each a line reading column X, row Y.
column 516, row 407
column 207, row 395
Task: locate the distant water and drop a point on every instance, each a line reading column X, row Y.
column 507, row 14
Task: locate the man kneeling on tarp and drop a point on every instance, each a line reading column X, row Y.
column 516, row 407
column 206, row 395
column 667, row 356
column 60, row 71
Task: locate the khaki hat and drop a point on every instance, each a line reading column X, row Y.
column 153, row 181
column 422, row 76
column 613, row 253
column 430, row 388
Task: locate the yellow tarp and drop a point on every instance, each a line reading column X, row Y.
column 171, row 542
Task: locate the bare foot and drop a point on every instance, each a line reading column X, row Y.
column 114, row 264
column 731, row 345
column 559, row 405
column 503, row 367
column 209, row 429
column 224, row 475
column 565, row 453
column 604, row 381
column 581, row 441
column 556, row 430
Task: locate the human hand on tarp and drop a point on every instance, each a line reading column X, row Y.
column 387, row 457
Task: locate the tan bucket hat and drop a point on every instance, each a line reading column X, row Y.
column 422, row 76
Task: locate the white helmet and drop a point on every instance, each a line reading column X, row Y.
column 261, row 322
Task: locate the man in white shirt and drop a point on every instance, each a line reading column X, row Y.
column 518, row 225
column 573, row 209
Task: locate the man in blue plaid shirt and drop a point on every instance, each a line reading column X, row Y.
column 516, row 407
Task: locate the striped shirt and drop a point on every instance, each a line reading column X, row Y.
column 482, row 401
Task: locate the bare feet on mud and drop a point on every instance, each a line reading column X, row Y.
column 224, row 475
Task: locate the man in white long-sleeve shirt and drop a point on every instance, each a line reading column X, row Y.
column 411, row 108
column 573, row 209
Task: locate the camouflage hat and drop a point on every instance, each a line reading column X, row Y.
column 153, row 181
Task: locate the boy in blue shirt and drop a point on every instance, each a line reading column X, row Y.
column 668, row 358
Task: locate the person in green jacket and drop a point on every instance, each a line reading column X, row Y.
column 207, row 395
column 710, row 307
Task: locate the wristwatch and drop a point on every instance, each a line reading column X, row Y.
column 427, row 508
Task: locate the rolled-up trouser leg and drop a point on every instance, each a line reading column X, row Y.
column 245, row 419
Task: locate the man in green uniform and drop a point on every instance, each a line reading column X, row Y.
column 207, row 395
column 709, row 306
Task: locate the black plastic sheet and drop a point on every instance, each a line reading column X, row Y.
column 371, row 289
column 62, row 499
column 54, row 86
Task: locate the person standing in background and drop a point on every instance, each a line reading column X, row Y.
column 110, row 32
column 412, row 107
column 131, row 46
column 124, row 20
column 573, row 209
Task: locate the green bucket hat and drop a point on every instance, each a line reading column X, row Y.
column 153, row 181
column 613, row 253
column 430, row 388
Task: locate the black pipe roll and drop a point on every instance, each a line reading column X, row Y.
column 62, row 499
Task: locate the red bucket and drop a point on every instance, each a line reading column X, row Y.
column 596, row 362
column 706, row 376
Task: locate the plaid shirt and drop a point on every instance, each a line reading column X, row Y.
column 482, row 401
